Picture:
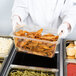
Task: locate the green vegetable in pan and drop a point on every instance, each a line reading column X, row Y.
column 29, row 73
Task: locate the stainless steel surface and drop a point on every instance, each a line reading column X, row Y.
column 7, row 61
column 61, row 58
column 65, row 69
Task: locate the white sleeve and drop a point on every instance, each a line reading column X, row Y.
column 68, row 13
column 20, row 9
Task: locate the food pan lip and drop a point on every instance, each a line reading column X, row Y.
column 12, row 66
column 22, row 37
column 52, row 31
column 2, row 55
column 34, row 68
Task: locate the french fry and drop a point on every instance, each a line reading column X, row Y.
column 39, row 31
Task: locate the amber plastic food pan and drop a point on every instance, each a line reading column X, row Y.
column 35, row 46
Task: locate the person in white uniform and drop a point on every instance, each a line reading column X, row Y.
column 57, row 14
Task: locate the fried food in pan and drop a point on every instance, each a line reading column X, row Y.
column 35, row 46
column 39, row 31
column 50, row 38
column 20, row 33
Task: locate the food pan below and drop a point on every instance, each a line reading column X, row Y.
column 26, row 71
column 6, row 44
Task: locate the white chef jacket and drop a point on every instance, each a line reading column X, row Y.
column 45, row 13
